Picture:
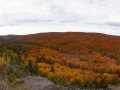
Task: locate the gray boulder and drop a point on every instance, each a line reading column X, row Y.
column 70, row 88
column 114, row 88
column 2, row 87
column 38, row 83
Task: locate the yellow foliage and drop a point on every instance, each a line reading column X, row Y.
column 105, row 75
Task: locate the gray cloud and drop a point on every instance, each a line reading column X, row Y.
column 115, row 24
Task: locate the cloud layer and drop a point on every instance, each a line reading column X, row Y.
column 34, row 16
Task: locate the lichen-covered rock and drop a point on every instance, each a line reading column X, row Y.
column 70, row 88
column 39, row 83
column 114, row 88
column 2, row 87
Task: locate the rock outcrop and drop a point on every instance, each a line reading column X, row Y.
column 39, row 83
column 114, row 88
column 69, row 88
column 2, row 86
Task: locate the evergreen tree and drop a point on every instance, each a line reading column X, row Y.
column 30, row 66
column 36, row 69
column 63, row 82
column 52, row 69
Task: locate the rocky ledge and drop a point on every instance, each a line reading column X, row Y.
column 40, row 83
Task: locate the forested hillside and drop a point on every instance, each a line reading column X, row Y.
column 84, row 60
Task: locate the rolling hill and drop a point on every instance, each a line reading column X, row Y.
column 93, row 58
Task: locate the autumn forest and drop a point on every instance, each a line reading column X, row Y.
column 83, row 60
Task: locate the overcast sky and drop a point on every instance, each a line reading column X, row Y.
column 35, row 16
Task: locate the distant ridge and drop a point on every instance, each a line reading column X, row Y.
column 9, row 36
column 12, row 35
column 51, row 35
